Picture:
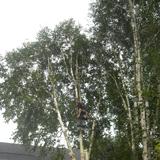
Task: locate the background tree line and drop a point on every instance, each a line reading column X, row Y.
column 115, row 71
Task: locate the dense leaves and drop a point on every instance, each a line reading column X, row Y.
column 102, row 67
column 118, row 28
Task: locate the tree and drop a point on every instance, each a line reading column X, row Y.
column 41, row 81
column 29, row 94
column 124, row 42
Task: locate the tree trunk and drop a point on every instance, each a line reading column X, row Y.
column 53, row 95
column 63, row 128
column 86, row 156
column 81, row 146
column 136, row 128
column 93, row 126
column 136, row 117
column 75, row 76
column 138, row 80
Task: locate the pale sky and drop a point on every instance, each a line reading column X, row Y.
column 21, row 20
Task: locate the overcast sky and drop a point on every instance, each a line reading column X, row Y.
column 21, row 20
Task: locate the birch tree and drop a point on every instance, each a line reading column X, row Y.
column 120, row 29
column 41, row 81
column 76, row 59
column 32, row 84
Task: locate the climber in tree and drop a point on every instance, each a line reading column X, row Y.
column 81, row 117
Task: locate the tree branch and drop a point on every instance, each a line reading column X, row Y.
column 151, row 41
column 93, row 126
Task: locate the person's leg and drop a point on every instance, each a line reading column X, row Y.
column 83, row 126
column 78, row 126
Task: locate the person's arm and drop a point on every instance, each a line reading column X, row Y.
column 79, row 112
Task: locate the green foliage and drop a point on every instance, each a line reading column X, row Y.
column 157, row 147
column 58, row 153
column 113, row 50
column 111, row 148
column 28, row 74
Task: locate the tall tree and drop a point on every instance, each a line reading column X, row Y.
column 124, row 41
column 40, row 82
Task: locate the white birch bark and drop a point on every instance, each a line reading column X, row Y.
column 136, row 132
column 61, row 123
column 136, row 128
column 148, row 126
column 86, row 156
column 93, row 126
column 81, row 146
column 138, row 79
column 53, row 95
column 76, row 82
column 72, row 156
column 74, row 75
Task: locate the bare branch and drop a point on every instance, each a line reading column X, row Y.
column 151, row 41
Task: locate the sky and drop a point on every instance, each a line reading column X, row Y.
column 21, row 20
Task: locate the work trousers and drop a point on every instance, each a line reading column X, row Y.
column 80, row 125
